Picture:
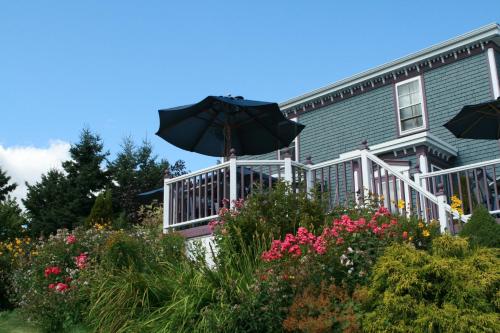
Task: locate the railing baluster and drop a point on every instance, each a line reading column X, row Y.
column 467, row 182
column 261, row 178
column 218, row 191
column 394, row 190
column 460, row 191
column 294, row 179
column 380, row 190
column 374, row 187
column 337, row 185
column 270, row 178
column 242, row 182
column 360, row 181
column 330, row 206
column 182, row 201
column 487, row 188
column 199, row 197
column 474, row 172
column 353, row 185
column 194, row 197
column 322, row 180
column 388, row 192
column 226, row 175
column 402, row 195
column 205, row 197
column 212, row 205
column 346, row 201
column 250, row 189
column 495, row 205
column 417, row 201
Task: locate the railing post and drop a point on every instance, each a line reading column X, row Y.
column 166, row 202
column 422, row 168
column 233, row 177
column 366, row 170
column 443, row 219
column 288, row 166
column 309, row 179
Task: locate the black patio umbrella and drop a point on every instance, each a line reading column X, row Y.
column 217, row 124
column 479, row 121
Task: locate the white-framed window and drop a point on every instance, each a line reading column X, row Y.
column 410, row 105
column 294, row 147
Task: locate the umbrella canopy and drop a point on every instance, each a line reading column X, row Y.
column 217, row 124
column 479, row 121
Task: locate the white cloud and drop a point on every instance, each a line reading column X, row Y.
column 28, row 163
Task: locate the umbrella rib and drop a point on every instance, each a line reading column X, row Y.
column 471, row 126
column 198, row 139
column 263, row 125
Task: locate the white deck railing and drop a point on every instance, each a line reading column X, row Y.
column 196, row 197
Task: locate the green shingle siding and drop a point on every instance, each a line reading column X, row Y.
column 447, row 90
column 342, row 126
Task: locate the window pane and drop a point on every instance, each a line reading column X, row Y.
column 415, row 98
column 413, row 86
column 406, row 113
column 411, row 123
column 404, row 101
column 403, row 90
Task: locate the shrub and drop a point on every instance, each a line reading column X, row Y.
column 123, row 251
column 102, row 210
column 414, row 291
column 482, row 229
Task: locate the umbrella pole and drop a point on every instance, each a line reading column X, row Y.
column 227, row 141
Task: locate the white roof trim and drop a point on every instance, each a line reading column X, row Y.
column 408, row 142
column 482, row 34
column 414, row 140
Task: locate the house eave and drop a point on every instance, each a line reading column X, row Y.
column 483, row 34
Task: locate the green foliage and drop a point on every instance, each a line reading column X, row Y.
column 47, row 206
column 5, row 187
column 102, row 211
column 414, row 291
column 136, row 170
column 271, row 214
column 123, row 251
column 11, row 220
column 482, row 229
column 84, row 172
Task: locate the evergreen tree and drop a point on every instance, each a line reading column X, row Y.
column 11, row 220
column 5, row 187
column 85, row 174
column 136, row 170
column 47, row 204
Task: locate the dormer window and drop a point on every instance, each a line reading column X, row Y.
column 410, row 106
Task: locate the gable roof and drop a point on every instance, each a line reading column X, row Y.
column 483, row 35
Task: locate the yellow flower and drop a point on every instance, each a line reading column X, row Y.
column 381, row 198
column 420, row 225
column 456, row 205
column 18, row 241
column 401, row 204
column 410, row 238
column 426, row 233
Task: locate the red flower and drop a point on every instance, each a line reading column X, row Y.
column 61, row 287
column 52, row 270
column 52, row 286
column 405, row 234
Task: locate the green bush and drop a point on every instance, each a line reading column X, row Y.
column 102, row 210
column 454, row 289
column 122, row 251
column 482, row 229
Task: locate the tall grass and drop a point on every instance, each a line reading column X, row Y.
column 182, row 296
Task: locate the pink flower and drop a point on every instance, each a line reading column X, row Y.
column 71, row 239
column 52, row 286
column 81, row 260
column 340, row 241
column 405, row 234
column 295, row 251
column 319, row 245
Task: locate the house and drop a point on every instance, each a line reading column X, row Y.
column 398, row 110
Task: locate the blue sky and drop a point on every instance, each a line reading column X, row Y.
column 110, row 65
